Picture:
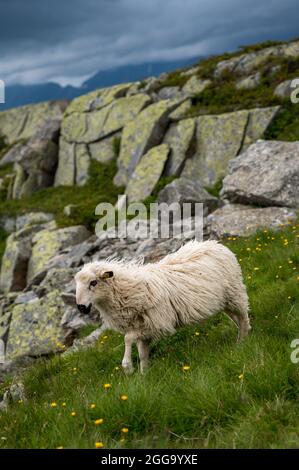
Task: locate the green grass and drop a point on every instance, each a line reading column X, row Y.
column 223, row 96
column 234, row 395
column 285, row 125
column 99, row 189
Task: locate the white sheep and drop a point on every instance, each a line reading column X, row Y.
column 146, row 301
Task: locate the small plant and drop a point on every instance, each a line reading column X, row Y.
column 116, row 146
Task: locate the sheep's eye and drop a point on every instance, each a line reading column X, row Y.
column 93, row 283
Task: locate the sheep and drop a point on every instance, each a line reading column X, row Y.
column 147, row 301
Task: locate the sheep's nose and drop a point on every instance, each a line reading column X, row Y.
column 84, row 309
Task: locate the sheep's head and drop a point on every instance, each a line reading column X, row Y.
column 92, row 286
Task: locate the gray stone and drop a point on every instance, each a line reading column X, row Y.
column 183, row 190
column 180, row 138
column 267, row 173
column 66, row 170
column 147, row 173
column 284, row 89
column 247, row 83
column 195, row 85
column 234, row 220
column 104, row 151
column 141, row 134
column 48, row 243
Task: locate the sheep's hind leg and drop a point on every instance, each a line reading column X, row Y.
column 143, row 351
column 127, row 364
column 242, row 322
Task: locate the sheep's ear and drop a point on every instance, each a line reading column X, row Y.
column 107, row 275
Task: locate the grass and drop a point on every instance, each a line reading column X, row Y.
column 234, row 395
column 99, row 189
column 285, row 125
column 223, row 96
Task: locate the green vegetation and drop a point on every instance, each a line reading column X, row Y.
column 215, row 190
column 3, row 237
column 233, row 395
column 174, row 79
column 116, row 146
column 285, row 126
column 163, row 181
column 99, row 189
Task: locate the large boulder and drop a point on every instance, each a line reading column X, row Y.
column 35, row 327
column 97, row 99
column 48, row 243
column 105, row 150
column 183, row 190
column 36, row 161
column 180, row 138
column 15, row 259
column 66, row 171
column 147, row 173
column 220, row 138
column 247, row 83
column 267, row 173
column 235, row 220
column 22, row 123
column 89, row 127
column 195, row 85
column 284, row 89
column 141, row 134
column 218, row 141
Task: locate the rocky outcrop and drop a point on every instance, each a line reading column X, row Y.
column 195, row 85
column 220, row 138
column 36, row 161
column 22, row 123
column 140, row 135
column 183, row 190
column 180, row 139
column 267, row 173
column 284, row 89
column 147, row 173
column 245, row 63
column 235, row 220
column 48, row 243
column 250, row 82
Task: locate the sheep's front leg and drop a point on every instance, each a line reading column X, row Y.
column 143, row 351
column 127, row 363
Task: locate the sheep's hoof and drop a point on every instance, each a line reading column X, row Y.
column 128, row 368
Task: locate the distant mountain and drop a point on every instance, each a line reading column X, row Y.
column 19, row 95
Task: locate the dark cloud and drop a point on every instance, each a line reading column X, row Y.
column 68, row 40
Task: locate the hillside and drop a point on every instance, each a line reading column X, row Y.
column 223, row 132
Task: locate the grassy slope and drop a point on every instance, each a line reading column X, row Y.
column 233, row 395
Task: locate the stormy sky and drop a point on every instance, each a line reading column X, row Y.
column 68, row 40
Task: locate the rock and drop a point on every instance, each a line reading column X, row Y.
column 245, row 63
column 258, row 122
column 15, row 393
column 267, row 173
column 48, row 243
column 247, row 83
column 147, row 173
column 82, row 162
column 195, row 85
column 97, row 99
column 168, row 92
column 23, row 122
column 181, row 111
column 284, row 89
column 65, row 174
column 234, row 220
column 121, row 202
column 15, row 259
column 87, row 342
column 191, row 71
column 220, row 138
column 183, row 190
column 179, row 137
column 37, row 160
column 218, row 141
column 33, row 218
column 90, row 127
column 70, row 210
column 7, row 223
column 105, row 150
column 140, row 135
column 35, row 327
